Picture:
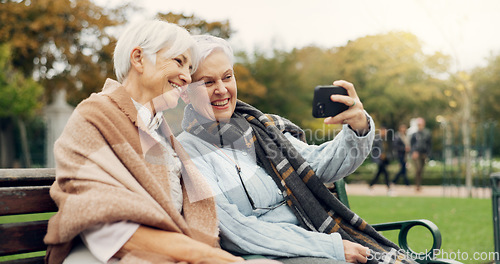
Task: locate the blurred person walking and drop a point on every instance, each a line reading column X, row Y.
column 381, row 156
column 401, row 146
column 420, row 149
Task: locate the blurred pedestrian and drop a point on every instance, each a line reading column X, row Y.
column 401, row 146
column 381, row 156
column 420, row 149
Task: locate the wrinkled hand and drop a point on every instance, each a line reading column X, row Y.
column 354, row 252
column 355, row 115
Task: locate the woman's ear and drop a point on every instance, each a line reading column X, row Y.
column 137, row 59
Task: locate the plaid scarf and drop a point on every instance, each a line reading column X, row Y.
column 312, row 203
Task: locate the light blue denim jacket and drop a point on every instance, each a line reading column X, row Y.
column 273, row 232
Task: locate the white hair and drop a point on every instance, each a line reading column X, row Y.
column 152, row 36
column 206, row 44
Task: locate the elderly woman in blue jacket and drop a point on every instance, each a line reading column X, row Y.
column 269, row 184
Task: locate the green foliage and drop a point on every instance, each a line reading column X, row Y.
column 487, row 83
column 394, row 79
column 487, row 95
column 279, row 75
column 19, row 96
column 198, row 26
column 68, row 44
column 315, row 66
column 249, row 90
column 64, row 44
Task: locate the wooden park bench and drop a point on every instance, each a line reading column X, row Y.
column 26, row 191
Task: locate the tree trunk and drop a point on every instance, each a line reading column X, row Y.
column 3, row 149
column 466, row 124
column 24, row 143
column 7, row 149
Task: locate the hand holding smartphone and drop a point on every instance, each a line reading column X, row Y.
column 323, row 106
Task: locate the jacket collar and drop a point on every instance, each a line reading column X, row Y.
column 117, row 93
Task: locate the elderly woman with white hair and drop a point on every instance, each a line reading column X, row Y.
column 269, row 184
column 124, row 185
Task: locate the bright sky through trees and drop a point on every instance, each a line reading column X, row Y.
column 464, row 29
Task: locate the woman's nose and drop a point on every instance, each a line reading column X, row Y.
column 186, row 75
column 220, row 87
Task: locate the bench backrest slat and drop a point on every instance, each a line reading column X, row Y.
column 26, row 200
column 26, row 177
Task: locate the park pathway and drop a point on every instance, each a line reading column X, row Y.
column 426, row 191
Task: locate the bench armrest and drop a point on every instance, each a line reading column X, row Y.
column 404, row 227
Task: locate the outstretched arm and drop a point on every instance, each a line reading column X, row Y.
column 339, row 157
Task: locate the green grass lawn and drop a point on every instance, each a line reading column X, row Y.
column 466, row 225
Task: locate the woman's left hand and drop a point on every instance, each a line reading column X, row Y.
column 355, row 116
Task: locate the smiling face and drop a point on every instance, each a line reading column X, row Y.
column 213, row 93
column 164, row 79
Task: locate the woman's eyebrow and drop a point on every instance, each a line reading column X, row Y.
column 204, row 77
column 183, row 58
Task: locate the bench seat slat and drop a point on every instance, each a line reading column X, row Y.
column 25, row 191
column 35, row 260
column 22, row 237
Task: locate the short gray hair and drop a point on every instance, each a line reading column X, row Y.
column 151, row 36
column 206, row 44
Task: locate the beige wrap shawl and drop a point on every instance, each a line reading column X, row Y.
column 109, row 169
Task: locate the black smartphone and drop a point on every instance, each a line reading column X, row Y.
column 323, row 106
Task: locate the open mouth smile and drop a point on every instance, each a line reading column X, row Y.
column 176, row 86
column 220, row 103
